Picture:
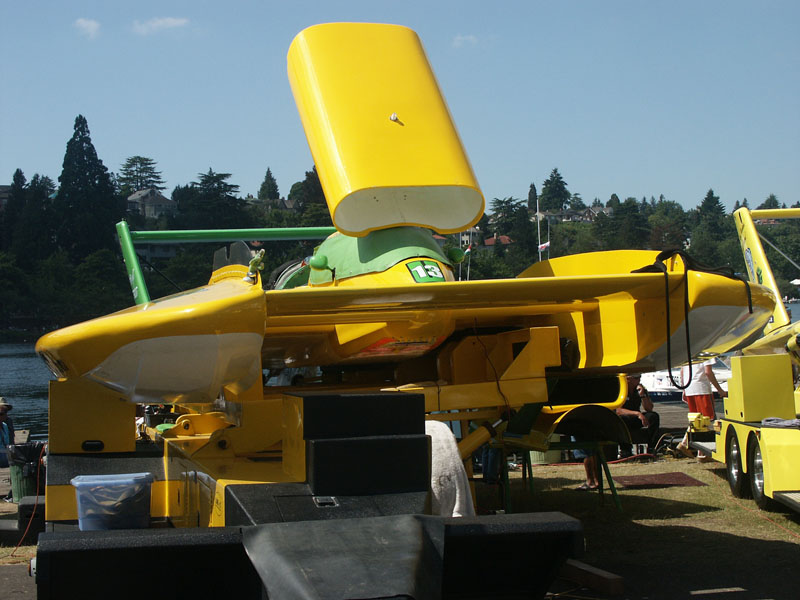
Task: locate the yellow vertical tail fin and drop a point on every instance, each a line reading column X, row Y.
column 383, row 140
column 758, row 269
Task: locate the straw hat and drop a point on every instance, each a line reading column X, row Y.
column 5, row 404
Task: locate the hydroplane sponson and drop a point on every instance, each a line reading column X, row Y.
column 378, row 310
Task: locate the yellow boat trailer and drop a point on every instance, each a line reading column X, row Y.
column 758, row 437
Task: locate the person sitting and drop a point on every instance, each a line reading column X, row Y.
column 590, row 466
column 637, row 413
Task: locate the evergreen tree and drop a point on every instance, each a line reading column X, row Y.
column 769, row 203
column 668, row 226
column 33, row 239
column 626, row 228
column 268, row 192
column 645, row 208
column 13, row 210
column 709, row 231
column 576, row 202
column 139, row 173
column 613, row 202
column 555, row 196
column 13, row 291
column 711, row 214
column 532, row 198
column 526, row 244
column 85, row 207
column 211, row 203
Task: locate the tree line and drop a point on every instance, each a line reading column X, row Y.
column 706, row 232
column 60, row 261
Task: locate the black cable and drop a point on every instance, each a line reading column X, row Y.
column 659, row 266
column 494, row 370
column 152, row 266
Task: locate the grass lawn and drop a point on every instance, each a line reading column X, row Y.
column 671, row 542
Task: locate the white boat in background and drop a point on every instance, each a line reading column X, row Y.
column 660, row 386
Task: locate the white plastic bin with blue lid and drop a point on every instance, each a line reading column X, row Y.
column 113, row 501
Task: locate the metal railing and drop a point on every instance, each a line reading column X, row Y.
column 128, row 239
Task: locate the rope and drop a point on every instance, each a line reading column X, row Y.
column 35, row 502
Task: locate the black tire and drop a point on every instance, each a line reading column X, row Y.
column 737, row 478
column 755, row 469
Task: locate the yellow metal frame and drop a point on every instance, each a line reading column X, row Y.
column 761, row 387
column 83, row 411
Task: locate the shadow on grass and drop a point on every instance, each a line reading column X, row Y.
column 560, row 494
column 774, row 507
column 669, row 561
column 678, row 553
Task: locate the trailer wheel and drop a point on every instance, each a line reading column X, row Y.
column 737, row 478
column 755, row 467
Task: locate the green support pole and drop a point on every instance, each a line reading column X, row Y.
column 135, row 276
column 232, row 235
column 128, row 238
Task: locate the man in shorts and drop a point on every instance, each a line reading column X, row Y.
column 699, row 396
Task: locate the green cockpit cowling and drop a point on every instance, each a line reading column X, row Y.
column 341, row 256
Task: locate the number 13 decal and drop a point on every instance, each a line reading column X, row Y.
column 425, row 271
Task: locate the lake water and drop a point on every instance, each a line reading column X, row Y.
column 23, row 383
column 24, row 379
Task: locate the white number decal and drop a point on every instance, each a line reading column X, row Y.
column 420, row 271
column 433, row 271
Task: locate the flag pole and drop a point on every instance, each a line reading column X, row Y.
column 538, row 230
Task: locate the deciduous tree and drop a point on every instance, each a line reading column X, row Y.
column 307, row 192
column 503, row 214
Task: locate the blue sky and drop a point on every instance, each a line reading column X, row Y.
column 628, row 97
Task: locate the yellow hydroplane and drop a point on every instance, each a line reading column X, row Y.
column 377, row 309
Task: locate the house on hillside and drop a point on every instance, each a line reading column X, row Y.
column 490, row 243
column 439, row 239
column 470, row 237
column 593, row 212
column 585, row 215
column 151, row 203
